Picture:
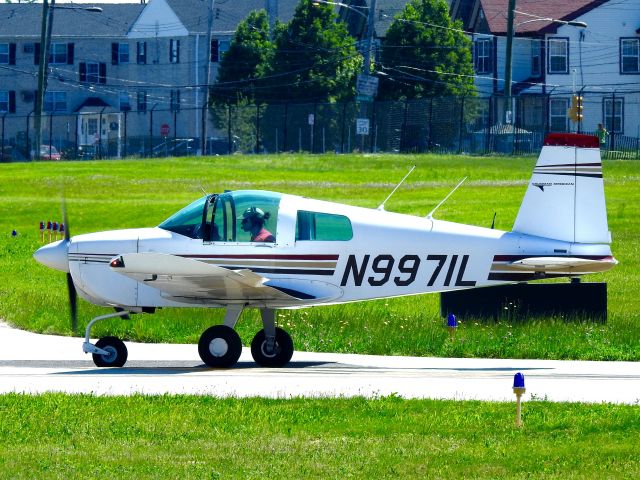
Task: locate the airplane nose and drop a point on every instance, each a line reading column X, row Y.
column 54, row 255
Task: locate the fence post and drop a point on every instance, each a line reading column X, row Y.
column 284, row 127
column 204, row 127
column 151, row 130
column 613, row 122
column 175, row 130
column 2, row 144
column 229, row 138
column 50, row 133
column 124, row 153
column 28, row 140
column 76, row 135
column 404, row 126
column 257, row 128
column 100, row 134
column 313, row 129
column 372, row 138
column 344, row 119
column 461, row 126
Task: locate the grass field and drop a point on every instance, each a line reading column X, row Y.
column 122, row 194
column 58, row 436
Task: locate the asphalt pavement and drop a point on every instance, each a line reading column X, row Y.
column 33, row 363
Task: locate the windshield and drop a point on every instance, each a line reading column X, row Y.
column 188, row 221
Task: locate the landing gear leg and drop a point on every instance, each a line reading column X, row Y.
column 272, row 346
column 220, row 346
column 108, row 351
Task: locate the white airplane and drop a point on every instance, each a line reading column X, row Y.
column 266, row 250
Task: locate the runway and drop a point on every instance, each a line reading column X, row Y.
column 33, row 363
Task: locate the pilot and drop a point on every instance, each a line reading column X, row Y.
column 253, row 220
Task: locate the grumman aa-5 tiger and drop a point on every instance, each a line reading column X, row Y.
column 271, row 251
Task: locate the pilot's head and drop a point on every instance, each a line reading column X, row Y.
column 253, row 218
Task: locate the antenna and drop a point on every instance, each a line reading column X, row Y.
column 430, row 214
column 381, row 206
column 493, row 222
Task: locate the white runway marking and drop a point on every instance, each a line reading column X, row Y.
column 42, row 363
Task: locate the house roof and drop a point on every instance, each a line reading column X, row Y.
column 24, row 20
column 495, row 12
column 227, row 15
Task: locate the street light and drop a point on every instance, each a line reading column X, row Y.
column 43, row 67
column 535, row 18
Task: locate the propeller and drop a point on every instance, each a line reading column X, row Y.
column 71, row 288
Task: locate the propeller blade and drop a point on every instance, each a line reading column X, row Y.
column 73, row 303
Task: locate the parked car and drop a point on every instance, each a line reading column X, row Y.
column 176, row 147
column 49, row 152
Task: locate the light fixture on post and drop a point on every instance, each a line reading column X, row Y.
column 43, row 64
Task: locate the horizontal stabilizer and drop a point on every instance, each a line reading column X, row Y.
column 576, row 265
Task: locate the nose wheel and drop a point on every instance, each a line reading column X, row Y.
column 116, row 352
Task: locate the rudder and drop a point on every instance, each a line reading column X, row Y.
column 565, row 198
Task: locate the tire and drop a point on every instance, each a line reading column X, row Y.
column 283, row 351
column 220, row 347
column 117, row 352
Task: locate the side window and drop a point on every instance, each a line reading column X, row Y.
column 246, row 216
column 224, row 220
column 323, row 227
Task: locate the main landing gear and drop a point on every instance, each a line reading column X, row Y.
column 219, row 346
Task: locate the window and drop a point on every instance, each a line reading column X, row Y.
column 174, row 51
column 218, row 49
column 55, row 102
column 629, row 55
column 124, row 102
column 558, row 55
column 58, row 53
column 92, row 127
column 614, row 115
column 175, row 101
column 93, row 72
column 8, row 53
column 4, row 53
column 232, row 207
column 141, row 53
column 484, row 54
column 4, row 102
column 119, row 53
column 142, row 101
column 536, row 58
column 323, row 227
column 558, row 114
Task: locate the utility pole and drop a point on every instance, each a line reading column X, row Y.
column 205, row 112
column 42, row 68
column 366, row 67
column 507, row 63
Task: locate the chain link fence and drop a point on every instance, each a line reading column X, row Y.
column 459, row 125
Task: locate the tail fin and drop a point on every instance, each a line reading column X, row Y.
column 565, row 198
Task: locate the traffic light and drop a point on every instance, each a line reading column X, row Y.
column 580, row 108
column 576, row 112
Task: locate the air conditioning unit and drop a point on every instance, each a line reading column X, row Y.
column 27, row 96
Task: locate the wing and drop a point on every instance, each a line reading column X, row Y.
column 194, row 280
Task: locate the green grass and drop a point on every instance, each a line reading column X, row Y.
column 122, row 194
column 60, row 436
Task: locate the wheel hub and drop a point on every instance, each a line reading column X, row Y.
column 218, row 347
column 111, row 355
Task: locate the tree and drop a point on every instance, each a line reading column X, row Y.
column 247, row 60
column 315, row 58
column 425, row 54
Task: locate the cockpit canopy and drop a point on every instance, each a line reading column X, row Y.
column 219, row 218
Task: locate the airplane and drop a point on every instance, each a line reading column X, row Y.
column 266, row 250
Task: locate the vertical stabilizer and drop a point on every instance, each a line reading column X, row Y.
column 565, row 197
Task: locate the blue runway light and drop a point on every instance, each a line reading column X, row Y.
column 518, row 380
column 451, row 321
column 14, row 234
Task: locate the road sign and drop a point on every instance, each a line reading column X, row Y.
column 367, row 87
column 164, row 130
column 362, row 126
column 311, row 119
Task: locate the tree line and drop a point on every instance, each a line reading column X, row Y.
column 313, row 58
